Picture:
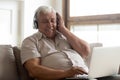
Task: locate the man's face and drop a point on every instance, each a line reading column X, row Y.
column 47, row 24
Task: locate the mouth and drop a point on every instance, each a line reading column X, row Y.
column 50, row 30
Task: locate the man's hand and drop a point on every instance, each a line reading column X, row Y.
column 75, row 71
column 60, row 25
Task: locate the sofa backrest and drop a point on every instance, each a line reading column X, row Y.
column 21, row 70
column 8, row 69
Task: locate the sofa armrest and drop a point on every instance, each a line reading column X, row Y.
column 119, row 70
column 8, row 69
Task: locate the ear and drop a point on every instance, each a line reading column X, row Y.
column 36, row 24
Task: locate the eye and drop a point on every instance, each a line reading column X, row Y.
column 53, row 20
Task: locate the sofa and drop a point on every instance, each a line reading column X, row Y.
column 10, row 63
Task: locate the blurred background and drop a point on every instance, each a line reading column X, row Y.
column 91, row 20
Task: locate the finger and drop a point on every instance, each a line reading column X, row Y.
column 80, row 72
column 58, row 15
column 80, row 69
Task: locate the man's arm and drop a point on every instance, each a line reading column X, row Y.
column 77, row 44
column 36, row 70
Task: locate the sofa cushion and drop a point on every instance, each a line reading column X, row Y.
column 21, row 70
column 8, row 69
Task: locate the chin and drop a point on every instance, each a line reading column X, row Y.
column 50, row 36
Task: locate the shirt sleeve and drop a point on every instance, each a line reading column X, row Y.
column 29, row 50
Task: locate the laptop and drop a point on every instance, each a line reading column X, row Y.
column 105, row 61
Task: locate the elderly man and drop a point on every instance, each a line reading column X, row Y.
column 53, row 52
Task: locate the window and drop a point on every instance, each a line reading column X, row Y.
column 10, row 22
column 94, row 7
column 94, row 20
column 5, row 26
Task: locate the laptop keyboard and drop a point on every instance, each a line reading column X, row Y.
column 84, row 76
column 79, row 77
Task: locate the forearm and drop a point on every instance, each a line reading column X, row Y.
column 40, row 72
column 77, row 44
column 45, row 73
column 37, row 71
column 52, row 74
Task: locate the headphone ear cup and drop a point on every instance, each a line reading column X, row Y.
column 35, row 24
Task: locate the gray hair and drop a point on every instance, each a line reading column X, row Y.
column 44, row 9
column 39, row 10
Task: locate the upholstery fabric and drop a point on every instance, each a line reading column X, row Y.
column 21, row 70
column 8, row 70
